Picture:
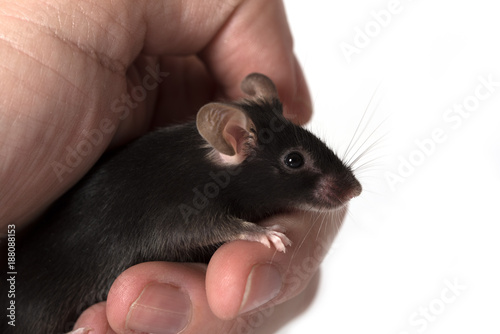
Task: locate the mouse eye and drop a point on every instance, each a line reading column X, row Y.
column 294, row 160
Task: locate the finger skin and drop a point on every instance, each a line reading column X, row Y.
column 258, row 39
column 190, row 278
column 311, row 235
column 95, row 318
column 69, row 68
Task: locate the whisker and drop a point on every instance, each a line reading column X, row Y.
column 303, row 239
column 352, row 141
column 367, row 165
column 370, row 148
column 348, row 162
column 320, row 228
column 349, row 213
column 333, row 217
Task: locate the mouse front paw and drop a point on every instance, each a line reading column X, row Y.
column 274, row 235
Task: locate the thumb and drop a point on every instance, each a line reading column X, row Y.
column 160, row 297
column 154, row 297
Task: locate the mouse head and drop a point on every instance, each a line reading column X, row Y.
column 294, row 167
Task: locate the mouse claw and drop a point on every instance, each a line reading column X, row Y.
column 264, row 239
column 274, row 235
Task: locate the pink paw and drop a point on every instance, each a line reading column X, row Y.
column 270, row 235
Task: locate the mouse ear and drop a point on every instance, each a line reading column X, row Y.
column 260, row 86
column 225, row 127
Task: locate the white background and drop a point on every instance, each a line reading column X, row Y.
column 439, row 223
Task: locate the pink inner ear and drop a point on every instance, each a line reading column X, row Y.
column 235, row 135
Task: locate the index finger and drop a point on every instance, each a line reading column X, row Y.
column 243, row 276
column 257, row 39
column 233, row 38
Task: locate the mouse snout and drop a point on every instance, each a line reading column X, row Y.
column 347, row 188
column 337, row 191
column 354, row 191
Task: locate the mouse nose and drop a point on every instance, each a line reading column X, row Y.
column 354, row 191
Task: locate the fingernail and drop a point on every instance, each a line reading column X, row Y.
column 85, row 330
column 160, row 309
column 263, row 284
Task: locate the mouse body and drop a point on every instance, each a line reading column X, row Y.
column 175, row 194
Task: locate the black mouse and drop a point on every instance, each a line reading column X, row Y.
column 175, row 194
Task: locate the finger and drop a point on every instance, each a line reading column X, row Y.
column 187, row 88
column 161, row 297
column 273, row 317
column 257, row 39
column 234, row 39
column 244, row 276
column 94, row 320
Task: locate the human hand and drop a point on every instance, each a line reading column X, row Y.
column 76, row 76
column 164, row 297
